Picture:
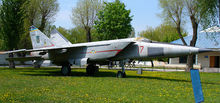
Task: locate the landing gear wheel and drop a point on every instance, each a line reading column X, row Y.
column 91, row 70
column 96, row 69
column 124, row 75
column 37, row 63
column 120, row 74
column 88, row 70
column 66, row 70
column 37, row 66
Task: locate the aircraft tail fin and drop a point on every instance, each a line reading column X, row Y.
column 38, row 39
column 58, row 39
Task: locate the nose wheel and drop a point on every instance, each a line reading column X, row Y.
column 66, row 69
column 121, row 74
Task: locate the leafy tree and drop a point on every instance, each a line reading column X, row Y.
column 78, row 35
column 209, row 15
column 197, row 11
column 47, row 9
column 38, row 13
column 1, row 40
column 162, row 33
column 173, row 12
column 195, row 15
column 75, row 35
column 12, row 18
column 84, row 15
column 132, row 34
column 25, row 40
column 114, row 21
column 31, row 8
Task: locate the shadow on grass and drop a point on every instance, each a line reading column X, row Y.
column 76, row 73
column 167, row 79
column 56, row 72
column 159, row 78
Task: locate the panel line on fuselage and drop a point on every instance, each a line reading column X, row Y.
column 93, row 51
column 99, row 45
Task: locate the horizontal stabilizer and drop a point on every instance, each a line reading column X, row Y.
column 25, row 58
column 15, row 51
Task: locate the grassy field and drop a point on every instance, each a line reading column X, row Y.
column 47, row 85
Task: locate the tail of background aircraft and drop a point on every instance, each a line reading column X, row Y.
column 39, row 40
column 59, row 39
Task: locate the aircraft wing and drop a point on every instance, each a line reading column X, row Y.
column 35, row 50
column 41, row 49
column 52, row 48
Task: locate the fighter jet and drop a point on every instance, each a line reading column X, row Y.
column 62, row 53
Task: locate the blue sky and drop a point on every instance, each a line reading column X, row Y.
column 144, row 13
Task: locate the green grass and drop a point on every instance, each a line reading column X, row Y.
column 47, row 85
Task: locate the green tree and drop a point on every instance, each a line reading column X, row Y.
column 173, row 12
column 12, row 18
column 40, row 14
column 196, row 10
column 75, row 35
column 195, row 14
column 162, row 33
column 84, row 15
column 31, row 8
column 132, row 34
column 1, row 39
column 78, row 35
column 47, row 9
column 114, row 21
column 209, row 15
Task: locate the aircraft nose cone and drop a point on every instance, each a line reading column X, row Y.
column 204, row 50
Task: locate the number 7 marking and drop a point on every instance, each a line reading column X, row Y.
column 141, row 48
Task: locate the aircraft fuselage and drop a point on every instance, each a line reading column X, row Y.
column 103, row 51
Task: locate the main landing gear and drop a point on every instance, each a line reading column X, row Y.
column 121, row 74
column 37, row 63
column 66, row 69
column 91, row 69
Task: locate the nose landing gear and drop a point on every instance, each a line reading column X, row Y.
column 66, row 69
column 121, row 74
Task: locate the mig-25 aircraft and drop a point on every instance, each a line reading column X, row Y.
column 61, row 52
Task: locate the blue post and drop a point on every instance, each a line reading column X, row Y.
column 196, row 84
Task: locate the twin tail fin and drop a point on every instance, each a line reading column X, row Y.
column 39, row 40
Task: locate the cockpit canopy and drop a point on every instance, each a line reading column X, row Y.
column 143, row 39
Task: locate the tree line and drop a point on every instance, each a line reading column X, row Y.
column 18, row 15
column 98, row 20
column 94, row 20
